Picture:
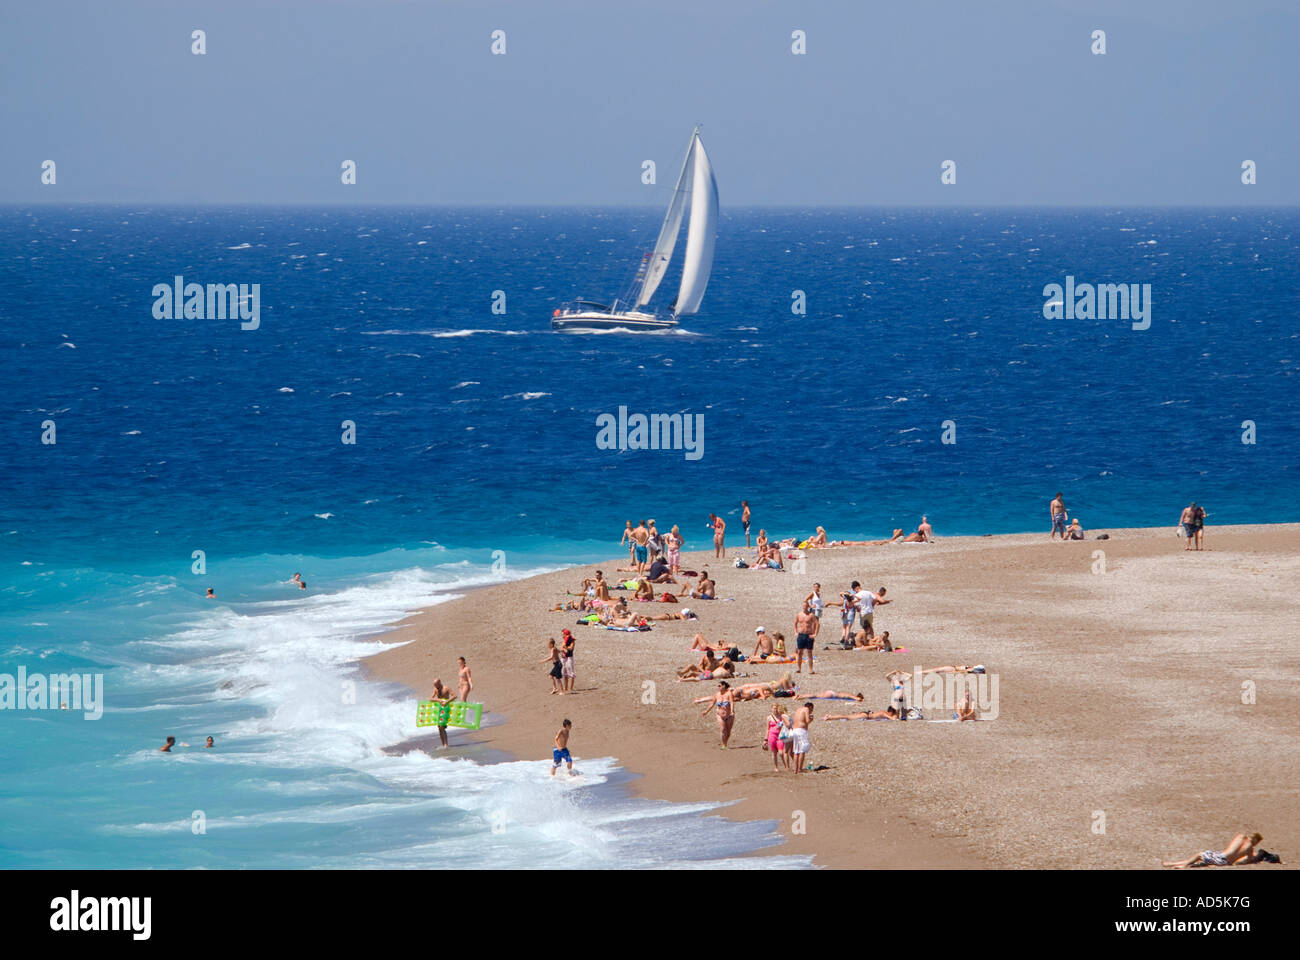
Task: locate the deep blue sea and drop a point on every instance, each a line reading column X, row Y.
column 475, row 461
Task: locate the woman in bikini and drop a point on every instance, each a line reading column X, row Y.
column 777, row 721
column 724, row 703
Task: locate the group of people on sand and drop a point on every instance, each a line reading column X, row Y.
column 645, row 544
column 561, row 660
column 442, row 693
column 1191, row 523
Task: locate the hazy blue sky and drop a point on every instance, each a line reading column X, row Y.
column 588, row 90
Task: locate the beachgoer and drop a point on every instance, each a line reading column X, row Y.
column 441, row 694
column 966, row 709
column 764, row 647
column 297, row 578
column 1240, row 851
column 815, row 602
column 566, row 662
column 1059, row 515
column 561, row 752
column 641, row 550
column 465, row 682
column 744, row 520
column 724, row 703
column 211, row 594
column 1074, row 531
column 719, row 534
column 557, row 671
column 835, row 695
column 867, row 603
column 1198, row 521
column 889, row 714
column 655, row 543
column 209, row 744
column 803, row 718
column 167, row 747
column 778, row 722
column 631, row 544
column 674, row 544
column 806, row 626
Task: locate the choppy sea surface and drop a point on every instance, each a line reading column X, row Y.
column 475, row 461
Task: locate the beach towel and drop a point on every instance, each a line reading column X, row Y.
column 641, row 629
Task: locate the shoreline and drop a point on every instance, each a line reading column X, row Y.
column 898, row 794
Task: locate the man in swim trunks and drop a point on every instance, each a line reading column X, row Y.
column 806, row 626
column 890, row 714
column 1059, row 515
column 744, row 519
column 803, row 718
column 707, row 588
column 719, row 534
column 441, row 694
column 1188, row 522
column 764, row 647
column 561, row 752
column 641, row 550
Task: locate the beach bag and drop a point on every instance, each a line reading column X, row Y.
column 741, row 564
column 1179, row 531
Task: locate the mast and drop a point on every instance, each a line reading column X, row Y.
column 663, row 251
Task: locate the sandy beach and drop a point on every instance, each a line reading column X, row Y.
column 1121, row 736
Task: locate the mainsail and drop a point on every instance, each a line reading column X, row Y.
column 696, row 182
column 699, row 236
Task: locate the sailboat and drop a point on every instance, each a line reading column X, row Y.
column 697, row 189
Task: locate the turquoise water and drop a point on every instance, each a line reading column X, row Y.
column 475, row 462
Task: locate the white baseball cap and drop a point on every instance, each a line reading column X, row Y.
column 760, row 630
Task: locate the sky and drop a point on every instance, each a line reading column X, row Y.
column 589, row 89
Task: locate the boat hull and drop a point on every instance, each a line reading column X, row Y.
column 593, row 322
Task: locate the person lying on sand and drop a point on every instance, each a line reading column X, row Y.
column 1240, row 851
column 764, row 691
column 699, row 643
column 890, row 714
column 722, row 669
column 949, row 668
column 685, row 613
column 835, row 695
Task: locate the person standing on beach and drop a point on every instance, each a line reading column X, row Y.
column 465, row 683
column 867, row 603
column 1198, row 523
column 674, row 545
column 557, row 671
column 806, row 626
column 640, row 547
column 724, row 703
column 631, row 544
column 848, row 609
column 655, row 543
column 441, row 694
column 719, row 534
column 802, row 743
column 1059, row 515
column 561, row 752
column 777, row 725
column 566, row 663
column 744, row 520
column 815, row 602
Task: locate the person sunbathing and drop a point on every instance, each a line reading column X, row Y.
column 709, row 668
column 783, row 687
column 685, row 613
column 889, row 714
column 1240, row 851
column 835, row 695
column 949, row 668
column 701, row 644
column 644, row 592
column 765, row 647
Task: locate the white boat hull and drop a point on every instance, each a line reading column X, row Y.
column 595, row 321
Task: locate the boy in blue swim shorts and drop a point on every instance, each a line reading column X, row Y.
column 561, row 752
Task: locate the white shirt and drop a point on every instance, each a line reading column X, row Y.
column 866, row 601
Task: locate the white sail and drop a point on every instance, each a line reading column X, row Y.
column 700, row 234
column 663, row 251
